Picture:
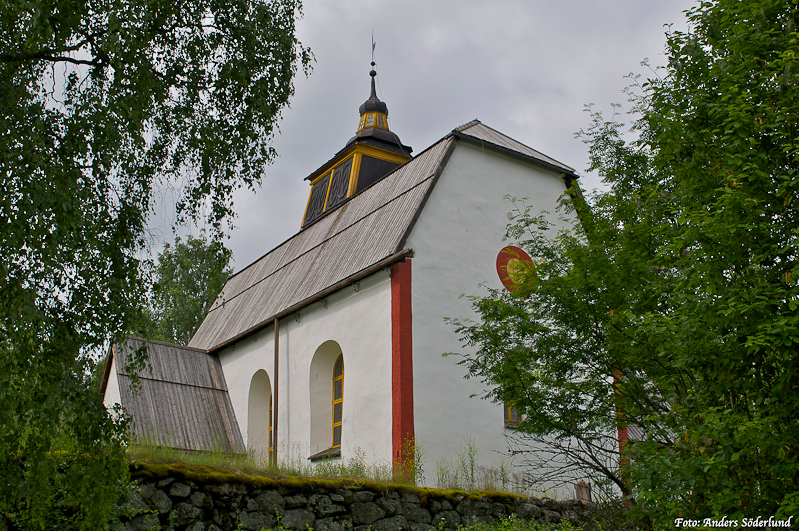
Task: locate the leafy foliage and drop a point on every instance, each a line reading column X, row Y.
column 102, row 105
column 189, row 277
column 673, row 308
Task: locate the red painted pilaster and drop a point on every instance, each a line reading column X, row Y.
column 623, row 438
column 402, row 432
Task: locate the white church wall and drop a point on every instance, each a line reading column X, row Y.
column 240, row 363
column 360, row 324
column 112, row 396
column 456, row 242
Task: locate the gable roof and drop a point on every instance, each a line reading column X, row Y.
column 182, row 401
column 365, row 233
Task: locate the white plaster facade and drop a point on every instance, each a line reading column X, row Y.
column 456, row 241
column 453, row 233
column 112, row 396
column 359, row 322
column 455, row 244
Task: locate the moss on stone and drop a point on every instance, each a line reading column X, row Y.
column 208, row 475
column 499, row 496
column 203, row 475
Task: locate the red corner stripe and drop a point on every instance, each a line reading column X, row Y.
column 402, row 433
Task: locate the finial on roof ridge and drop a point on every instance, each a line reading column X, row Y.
column 466, row 126
column 373, row 95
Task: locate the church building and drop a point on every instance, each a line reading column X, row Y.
column 331, row 343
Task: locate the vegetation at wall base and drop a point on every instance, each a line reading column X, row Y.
column 460, row 472
column 671, row 313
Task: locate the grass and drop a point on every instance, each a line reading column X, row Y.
column 462, row 472
column 296, row 465
column 459, row 473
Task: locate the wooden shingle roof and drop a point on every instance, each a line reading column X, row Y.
column 182, row 401
column 478, row 132
column 367, row 231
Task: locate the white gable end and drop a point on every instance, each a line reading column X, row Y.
column 456, row 240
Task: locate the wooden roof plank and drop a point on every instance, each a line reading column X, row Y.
column 362, row 232
column 183, row 403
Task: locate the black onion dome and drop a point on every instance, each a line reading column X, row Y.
column 373, row 104
column 380, row 137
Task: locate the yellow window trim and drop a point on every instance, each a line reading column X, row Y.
column 355, row 152
column 332, row 171
column 382, row 154
column 327, row 193
column 307, row 205
column 337, row 401
column 320, row 177
column 310, row 195
column 364, row 120
column 507, row 413
column 356, row 170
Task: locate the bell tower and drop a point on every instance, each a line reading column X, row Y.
column 367, row 157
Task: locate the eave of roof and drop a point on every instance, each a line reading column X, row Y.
column 321, row 170
column 570, row 174
column 341, row 155
column 352, row 279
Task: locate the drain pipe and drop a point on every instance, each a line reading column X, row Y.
column 275, row 403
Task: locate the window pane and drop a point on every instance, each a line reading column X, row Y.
column 337, row 389
column 512, row 414
column 370, row 121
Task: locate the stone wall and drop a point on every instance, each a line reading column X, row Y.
column 183, row 497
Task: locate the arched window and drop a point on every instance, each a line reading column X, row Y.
column 338, row 400
column 326, row 401
column 259, row 414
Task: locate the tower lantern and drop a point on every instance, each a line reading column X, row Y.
column 367, row 157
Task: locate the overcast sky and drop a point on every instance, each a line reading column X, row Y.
column 524, row 67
